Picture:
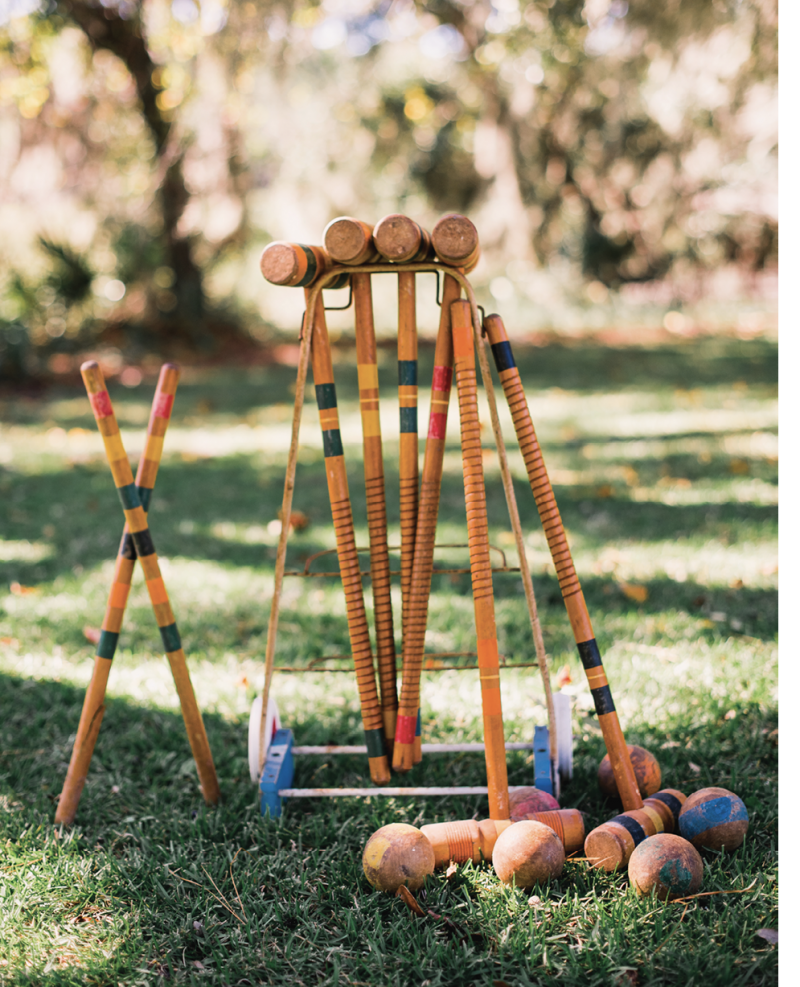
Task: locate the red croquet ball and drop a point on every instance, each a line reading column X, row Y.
column 522, row 802
column 667, row 864
column 527, row 853
column 645, row 768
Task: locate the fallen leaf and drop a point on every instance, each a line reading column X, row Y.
column 605, row 491
column 731, row 714
column 405, row 895
column 92, row 634
column 19, row 590
column 198, row 965
column 633, row 592
column 452, row 869
column 695, row 767
column 771, row 935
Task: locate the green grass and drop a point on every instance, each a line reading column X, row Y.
column 664, row 462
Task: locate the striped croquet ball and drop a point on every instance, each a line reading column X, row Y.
column 645, row 767
column 666, row 864
column 527, row 853
column 398, row 854
column 523, row 801
column 714, row 818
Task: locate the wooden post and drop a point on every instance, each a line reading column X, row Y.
column 94, row 701
column 140, row 533
column 565, row 569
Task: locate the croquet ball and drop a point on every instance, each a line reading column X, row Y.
column 398, row 854
column 667, row 864
column 527, row 853
column 523, row 801
column 714, row 818
column 645, row 767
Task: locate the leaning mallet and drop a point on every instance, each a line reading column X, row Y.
column 93, row 704
column 140, row 533
column 480, row 563
column 565, row 569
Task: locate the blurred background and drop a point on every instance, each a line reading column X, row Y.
column 618, row 158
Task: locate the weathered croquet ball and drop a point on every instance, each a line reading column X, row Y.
column 398, row 854
column 667, row 864
column 645, row 768
column 523, row 801
column 714, row 818
column 527, row 853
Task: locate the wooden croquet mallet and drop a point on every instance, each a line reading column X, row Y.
column 562, row 560
column 474, row 839
column 422, row 568
column 480, row 563
column 339, row 495
column 94, row 701
column 136, row 522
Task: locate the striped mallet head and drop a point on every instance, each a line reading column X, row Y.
column 455, row 241
column 610, row 845
column 399, row 239
column 474, row 839
column 349, row 241
column 297, row 264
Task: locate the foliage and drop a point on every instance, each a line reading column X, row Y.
column 605, row 139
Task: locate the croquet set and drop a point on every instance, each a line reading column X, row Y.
column 528, row 835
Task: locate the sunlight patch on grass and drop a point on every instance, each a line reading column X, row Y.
column 24, row 551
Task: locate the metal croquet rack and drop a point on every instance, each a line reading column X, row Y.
column 353, row 253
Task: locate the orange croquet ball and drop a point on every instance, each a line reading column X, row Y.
column 527, row 853
column 714, row 818
column 668, row 864
column 645, row 768
column 528, row 799
column 398, row 854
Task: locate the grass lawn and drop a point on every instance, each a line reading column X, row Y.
column 663, row 456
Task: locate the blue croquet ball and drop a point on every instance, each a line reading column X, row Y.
column 714, row 818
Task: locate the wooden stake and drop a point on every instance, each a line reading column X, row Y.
column 565, row 569
column 136, row 520
column 339, row 494
column 94, row 701
column 367, row 358
column 420, row 587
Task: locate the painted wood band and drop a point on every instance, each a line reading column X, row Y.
column 420, row 586
column 562, row 560
column 341, row 510
column 137, row 524
column 480, row 562
column 369, row 400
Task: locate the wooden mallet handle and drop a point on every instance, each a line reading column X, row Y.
column 562, row 560
column 341, row 510
column 480, row 562
column 420, row 584
column 610, row 845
